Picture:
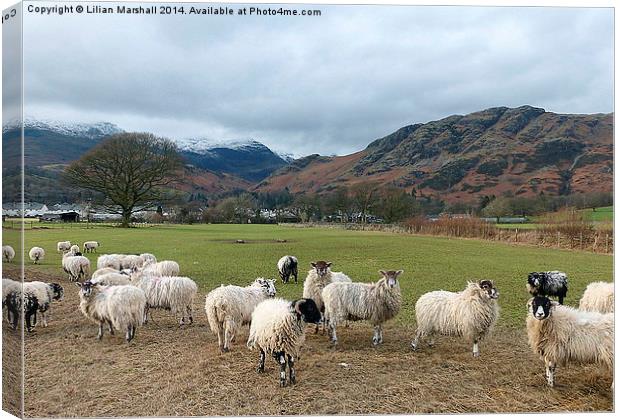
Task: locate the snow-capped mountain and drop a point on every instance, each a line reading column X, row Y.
column 86, row 130
column 205, row 145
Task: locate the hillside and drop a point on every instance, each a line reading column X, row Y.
column 524, row 151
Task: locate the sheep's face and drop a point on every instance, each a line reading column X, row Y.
column 540, row 307
column 321, row 267
column 268, row 286
column 58, row 291
column 534, row 279
column 488, row 289
column 391, row 277
column 307, row 311
column 86, row 288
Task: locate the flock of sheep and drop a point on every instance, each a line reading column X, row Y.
column 123, row 288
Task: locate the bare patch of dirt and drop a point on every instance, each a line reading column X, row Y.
column 172, row 371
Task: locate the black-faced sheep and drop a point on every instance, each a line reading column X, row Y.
column 470, row 314
column 548, row 283
column 561, row 334
column 287, row 267
column 229, row 307
column 375, row 302
column 598, row 297
column 277, row 329
column 120, row 307
column 45, row 293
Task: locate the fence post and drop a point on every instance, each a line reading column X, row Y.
column 558, row 238
column 607, row 243
column 581, row 240
column 516, row 234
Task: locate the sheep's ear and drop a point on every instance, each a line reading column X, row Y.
column 383, row 273
column 398, row 273
column 78, row 284
column 329, row 264
column 313, row 264
column 529, row 302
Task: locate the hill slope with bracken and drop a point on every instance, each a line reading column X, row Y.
column 524, row 151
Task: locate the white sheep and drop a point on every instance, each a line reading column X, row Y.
column 120, row 307
column 163, row 268
column 470, row 314
column 77, row 266
column 148, row 258
column 101, row 271
column 36, row 254
column 45, row 294
column 90, row 246
column 111, row 279
column 175, row 294
column 8, row 253
column 561, row 334
column 598, row 297
column 376, row 302
column 318, row 277
column 229, row 307
column 110, row 261
column 74, row 249
column 287, row 267
column 277, row 328
column 132, row 262
column 63, row 246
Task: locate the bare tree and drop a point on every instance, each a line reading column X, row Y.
column 130, row 170
column 365, row 197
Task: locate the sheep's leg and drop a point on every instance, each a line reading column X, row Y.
column 476, row 350
column 146, row 314
column 44, row 316
column 29, row 324
column 550, row 373
column 561, row 299
column 291, row 369
column 128, row 335
column 220, row 337
column 332, row 333
column 229, row 334
column 110, row 328
column 281, row 359
column 414, row 343
column 189, row 314
column 295, row 274
column 261, row 362
column 100, row 333
column 133, row 331
column 377, row 337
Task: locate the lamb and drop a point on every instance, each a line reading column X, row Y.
column 229, row 307
column 278, row 328
column 470, row 314
column 14, row 307
column 318, row 277
column 163, row 268
column 90, row 246
column 148, row 258
column 175, row 294
column 548, row 283
column 45, row 294
column 560, row 334
column 121, row 307
column 376, row 302
column 74, row 249
column 8, row 253
column 287, row 267
column 63, row 246
column 77, row 266
column 36, row 254
column 598, row 297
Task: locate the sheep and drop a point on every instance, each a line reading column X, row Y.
column 132, row 262
column 598, row 297
column 561, row 334
column 8, row 286
column 77, row 266
column 121, row 307
column 8, row 253
column 36, row 254
column 103, row 271
column 175, row 294
column 111, row 279
column 163, row 268
column 548, row 283
column 318, row 277
column 110, row 260
column 376, row 302
column 278, row 328
column 74, row 249
column 287, row 267
column 229, row 307
column 90, row 246
column 148, row 258
column 14, row 307
column 45, row 294
column 63, row 246
column 470, row 313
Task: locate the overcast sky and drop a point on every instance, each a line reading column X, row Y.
column 328, row 84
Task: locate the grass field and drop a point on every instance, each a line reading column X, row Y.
column 209, row 255
column 601, row 214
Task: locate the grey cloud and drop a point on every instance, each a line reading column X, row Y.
column 316, row 85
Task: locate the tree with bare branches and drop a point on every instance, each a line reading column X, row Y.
column 130, row 170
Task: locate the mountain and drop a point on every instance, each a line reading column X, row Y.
column 246, row 159
column 523, row 151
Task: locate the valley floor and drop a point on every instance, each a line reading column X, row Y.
column 172, row 371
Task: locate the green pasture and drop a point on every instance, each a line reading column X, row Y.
column 209, row 255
